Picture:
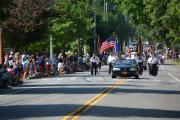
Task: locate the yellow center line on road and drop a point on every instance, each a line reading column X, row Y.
column 90, row 103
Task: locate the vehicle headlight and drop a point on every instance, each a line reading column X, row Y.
column 133, row 69
column 116, row 69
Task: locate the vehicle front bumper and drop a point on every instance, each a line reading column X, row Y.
column 124, row 73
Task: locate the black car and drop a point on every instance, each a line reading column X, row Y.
column 125, row 68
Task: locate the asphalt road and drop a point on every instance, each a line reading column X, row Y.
column 85, row 97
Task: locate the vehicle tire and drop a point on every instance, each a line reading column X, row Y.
column 145, row 68
column 113, row 76
column 136, row 76
column 140, row 71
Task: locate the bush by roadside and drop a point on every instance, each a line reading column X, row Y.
column 173, row 61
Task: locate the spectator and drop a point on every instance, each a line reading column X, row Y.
column 48, row 65
column 54, row 64
column 25, row 65
column 60, row 66
column 31, row 67
column 41, row 64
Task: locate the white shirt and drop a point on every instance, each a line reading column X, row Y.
column 11, row 63
column 153, row 60
column 94, row 59
column 128, row 57
column 54, row 61
column 111, row 59
column 60, row 65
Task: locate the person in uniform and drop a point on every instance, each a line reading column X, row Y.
column 94, row 62
column 111, row 59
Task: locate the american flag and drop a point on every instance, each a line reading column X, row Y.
column 109, row 43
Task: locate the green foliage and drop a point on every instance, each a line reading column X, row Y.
column 25, row 17
column 74, row 21
column 160, row 18
column 27, row 24
column 38, row 46
column 3, row 9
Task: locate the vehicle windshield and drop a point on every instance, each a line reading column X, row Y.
column 124, row 62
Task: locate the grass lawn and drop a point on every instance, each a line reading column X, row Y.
column 176, row 61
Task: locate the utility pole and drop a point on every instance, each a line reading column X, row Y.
column 94, row 8
column 50, row 2
column 1, row 48
column 51, row 47
column 78, row 43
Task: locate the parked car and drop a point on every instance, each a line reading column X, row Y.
column 125, row 67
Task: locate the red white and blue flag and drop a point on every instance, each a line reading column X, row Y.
column 109, row 43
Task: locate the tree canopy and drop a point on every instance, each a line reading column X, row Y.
column 160, row 18
column 24, row 19
column 28, row 24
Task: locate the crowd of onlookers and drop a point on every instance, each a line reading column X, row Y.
column 19, row 67
column 169, row 53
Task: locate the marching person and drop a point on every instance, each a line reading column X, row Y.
column 94, row 62
column 152, row 63
column 110, row 61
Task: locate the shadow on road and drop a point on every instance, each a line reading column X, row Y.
column 85, row 75
column 90, row 90
column 57, row 110
column 169, row 64
column 133, row 112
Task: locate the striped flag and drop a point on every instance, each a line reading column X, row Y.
column 109, row 43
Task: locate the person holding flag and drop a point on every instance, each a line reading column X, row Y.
column 110, row 43
column 107, row 44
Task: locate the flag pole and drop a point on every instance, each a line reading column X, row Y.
column 114, row 49
column 98, row 44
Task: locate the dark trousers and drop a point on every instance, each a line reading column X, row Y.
column 99, row 65
column 140, row 68
column 93, row 66
column 110, row 68
column 150, row 68
column 153, row 69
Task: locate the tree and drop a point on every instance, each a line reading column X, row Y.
column 3, row 9
column 73, row 22
column 24, row 17
column 159, row 16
